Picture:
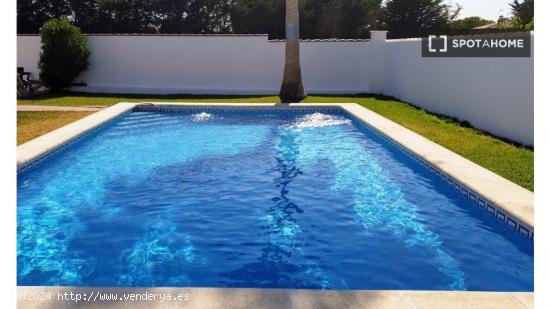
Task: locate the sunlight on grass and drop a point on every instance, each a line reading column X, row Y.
column 33, row 124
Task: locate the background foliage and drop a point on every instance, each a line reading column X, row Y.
column 64, row 53
column 349, row 19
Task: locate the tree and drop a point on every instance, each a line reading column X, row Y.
column 172, row 16
column 358, row 18
column 129, row 16
column 523, row 12
column 415, row 18
column 350, row 19
column 321, row 18
column 64, row 53
column 259, row 16
column 522, row 17
column 469, row 23
column 292, row 89
column 92, row 16
column 32, row 14
column 207, row 16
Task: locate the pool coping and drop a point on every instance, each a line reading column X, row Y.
column 489, row 190
column 268, row 298
column 504, row 195
column 37, row 149
column 504, row 199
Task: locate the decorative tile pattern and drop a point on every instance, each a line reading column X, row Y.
column 45, row 156
column 236, row 109
column 481, row 203
column 499, row 214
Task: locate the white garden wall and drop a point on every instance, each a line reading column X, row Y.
column 28, row 52
column 493, row 94
column 228, row 64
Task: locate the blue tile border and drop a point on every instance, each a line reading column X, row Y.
column 30, row 165
column 248, row 109
column 493, row 210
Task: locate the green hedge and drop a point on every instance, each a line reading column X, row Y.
column 64, row 53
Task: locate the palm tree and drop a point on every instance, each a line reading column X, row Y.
column 292, row 89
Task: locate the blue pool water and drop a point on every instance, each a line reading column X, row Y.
column 295, row 199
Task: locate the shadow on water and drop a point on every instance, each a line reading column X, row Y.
column 282, row 263
column 274, row 267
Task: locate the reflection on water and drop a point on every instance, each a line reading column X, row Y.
column 318, row 120
column 284, row 262
column 156, row 254
column 281, row 217
column 378, row 201
column 201, row 117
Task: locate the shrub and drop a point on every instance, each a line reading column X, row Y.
column 64, row 53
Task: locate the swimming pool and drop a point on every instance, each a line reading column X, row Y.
column 290, row 198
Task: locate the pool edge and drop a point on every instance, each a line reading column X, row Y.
column 272, row 298
column 39, row 147
column 502, row 194
column 514, row 201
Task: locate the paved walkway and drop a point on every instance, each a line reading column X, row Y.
column 214, row 298
column 42, row 108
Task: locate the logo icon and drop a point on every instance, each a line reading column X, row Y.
column 431, row 40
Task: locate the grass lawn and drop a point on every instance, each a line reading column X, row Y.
column 512, row 162
column 33, row 124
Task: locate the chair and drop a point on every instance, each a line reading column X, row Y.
column 25, row 85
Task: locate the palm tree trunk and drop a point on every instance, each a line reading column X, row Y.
column 292, row 89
